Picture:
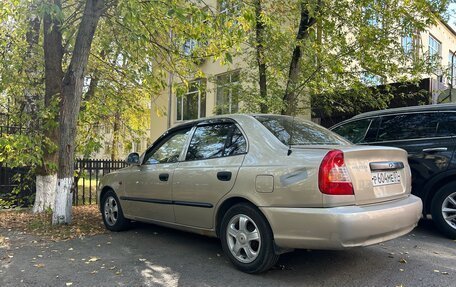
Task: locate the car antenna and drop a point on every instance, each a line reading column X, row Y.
column 291, row 136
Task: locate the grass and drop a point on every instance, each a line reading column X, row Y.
column 86, row 222
column 87, row 191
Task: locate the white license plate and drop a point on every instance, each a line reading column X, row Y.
column 385, row 177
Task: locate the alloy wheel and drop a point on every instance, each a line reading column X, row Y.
column 449, row 210
column 111, row 210
column 244, row 238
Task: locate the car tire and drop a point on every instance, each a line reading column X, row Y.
column 442, row 203
column 247, row 239
column 112, row 213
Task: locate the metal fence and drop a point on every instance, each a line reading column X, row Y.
column 17, row 187
column 88, row 175
column 8, row 127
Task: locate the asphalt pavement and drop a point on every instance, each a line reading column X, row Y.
column 149, row 255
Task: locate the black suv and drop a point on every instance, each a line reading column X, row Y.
column 428, row 134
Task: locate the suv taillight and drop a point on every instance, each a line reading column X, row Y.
column 333, row 177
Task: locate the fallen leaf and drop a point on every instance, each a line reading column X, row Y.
column 39, row 265
column 436, row 271
column 93, row 259
column 402, row 260
column 444, row 273
column 112, row 268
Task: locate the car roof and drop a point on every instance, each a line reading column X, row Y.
column 221, row 118
column 413, row 109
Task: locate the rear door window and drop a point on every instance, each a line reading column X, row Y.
column 447, row 124
column 408, row 126
column 214, row 141
column 354, row 131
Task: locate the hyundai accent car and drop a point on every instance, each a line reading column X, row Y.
column 264, row 185
column 428, row 134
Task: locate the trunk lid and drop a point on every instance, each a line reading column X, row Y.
column 377, row 173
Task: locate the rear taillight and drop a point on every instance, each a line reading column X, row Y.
column 333, row 177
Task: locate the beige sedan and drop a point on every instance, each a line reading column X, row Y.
column 265, row 185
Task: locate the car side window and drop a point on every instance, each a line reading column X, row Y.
column 354, row 131
column 169, row 150
column 447, row 124
column 408, row 126
column 214, row 141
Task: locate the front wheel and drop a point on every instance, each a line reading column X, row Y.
column 247, row 239
column 112, row 214
column 443, row 209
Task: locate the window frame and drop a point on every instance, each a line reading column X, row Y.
column 407, row 44
column 228, row 86
column 217, row 121
column 449, row 136
column 410, row 139
column 439, row 52
column 165, row 138
column 199, row 82
column 232, row 8
column 371, row 120
column 450, row 67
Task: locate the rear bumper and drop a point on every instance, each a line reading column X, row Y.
column 343, row 227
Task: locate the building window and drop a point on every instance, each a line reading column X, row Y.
column 370, row 79
column 191, row 102
column 373, row 14
column 435, row 49
column 227, row 98
column 451, row 62
column 189, row 46
column 229, row 7
column 407, row 44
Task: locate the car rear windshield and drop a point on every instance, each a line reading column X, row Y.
column 303, row 132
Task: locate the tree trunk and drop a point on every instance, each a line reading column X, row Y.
column 259, row 29
column 46, row 178
column 289, row 98
column 69, row 109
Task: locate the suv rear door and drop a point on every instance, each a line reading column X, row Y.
column 417, row 133
column 447, row 128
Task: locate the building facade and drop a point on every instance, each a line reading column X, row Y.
column 217, row 93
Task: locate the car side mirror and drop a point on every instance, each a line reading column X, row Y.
column 133, row 158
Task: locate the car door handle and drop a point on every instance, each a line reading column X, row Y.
column 163, row 176
column 224, row 175
column 435, row 149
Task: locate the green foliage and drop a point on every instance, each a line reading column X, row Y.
column 349, row 44
column 137, row 44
